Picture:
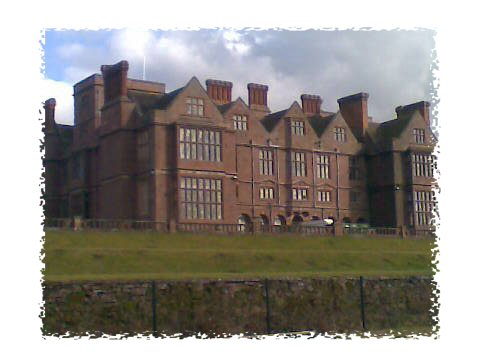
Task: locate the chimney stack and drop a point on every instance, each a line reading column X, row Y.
column 257, row 96
column 115, row 80
column 354, row 109
column 219, row 91
column 311, row 104
column 422, row 106
column 49, row 107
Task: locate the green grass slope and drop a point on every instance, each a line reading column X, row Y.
column 89, row 255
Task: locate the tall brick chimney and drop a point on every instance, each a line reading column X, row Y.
column 257, row 96
column 115, row 80
column 354, row 109
column 219, row 91
column 49, row 107
column 311, row 104
column 422, row 106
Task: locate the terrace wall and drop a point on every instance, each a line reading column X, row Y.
column 216, row 308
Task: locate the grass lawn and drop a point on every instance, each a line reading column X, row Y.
column 90, row 255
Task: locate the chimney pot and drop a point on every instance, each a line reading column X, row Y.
column 257, row 95
column 219, row 91
column 311, row 104
column 422, row 106
column 354, row 109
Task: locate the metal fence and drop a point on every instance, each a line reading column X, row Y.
column 250, row 228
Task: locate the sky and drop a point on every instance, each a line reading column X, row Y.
column 394, row 67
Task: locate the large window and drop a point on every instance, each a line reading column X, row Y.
column 240, row 122
column 424, row 206
column 419, row 136
column 201, row 198
column 340, row 134
column 323, row 166
column 354, row 168
column 200, row 144
column 423, row 165
column 324, row 196
column 299, row 194
column 266, row 193
column 195, row 106
column 298, row 164
column 266, row 162
column 298, row 127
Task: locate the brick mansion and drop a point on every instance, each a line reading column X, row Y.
column 194, row 155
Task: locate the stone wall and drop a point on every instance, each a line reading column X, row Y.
column 216, row 308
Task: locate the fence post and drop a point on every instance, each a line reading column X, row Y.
column 154, row 309
column 362, row 303
column 267, row 304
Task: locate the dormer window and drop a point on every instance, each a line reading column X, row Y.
column 195, row 106
column 298, row 128
column 340, row 134
column 419, row 136
column 240, row 122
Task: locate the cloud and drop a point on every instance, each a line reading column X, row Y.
column 62, row 92
column 393, row 66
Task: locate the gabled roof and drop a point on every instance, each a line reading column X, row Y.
column 225, row 107
column 153, row 101
column 271, row 120
column 320, row 123
column 389, row 129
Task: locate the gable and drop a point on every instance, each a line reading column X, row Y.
column 328, row 139
column 416, row 121
column 177, row 107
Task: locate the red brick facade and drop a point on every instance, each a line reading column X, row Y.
column 136, row 152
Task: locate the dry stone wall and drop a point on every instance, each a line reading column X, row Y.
column 218, row 308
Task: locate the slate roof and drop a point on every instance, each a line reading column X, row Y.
column 381, row 132
column 320, row 123
column 224, row 108
column 153, row 101
column 271, row 120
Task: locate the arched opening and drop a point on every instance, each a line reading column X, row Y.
column 361, row 221
column 305, row 214
column 244, row 222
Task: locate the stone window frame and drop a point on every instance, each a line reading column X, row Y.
column 299, row 194
column 266, row 193
column 423, row 164
column 265, row 158
column 423, row 206
column 240, row 122
column 195, row 106
column 323, row 166
column 419, row 135
column 298, row 163
column 297, row 127
column 324, row 196
column 201, row 144
column 354, row 172
column 201, row 198
column 340, row 134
